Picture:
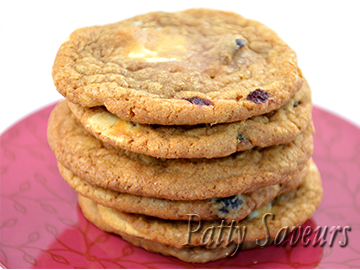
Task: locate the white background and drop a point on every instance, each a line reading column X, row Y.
column 325, row 35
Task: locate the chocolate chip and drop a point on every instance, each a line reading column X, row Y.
column 241, row 138
column 240, row 42
column 199, row 101
column 232, row 201
column 296, row 104
column 235, row 202
column 224, row 210
column 258, row 96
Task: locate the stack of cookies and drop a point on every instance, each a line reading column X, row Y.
column 185, row 133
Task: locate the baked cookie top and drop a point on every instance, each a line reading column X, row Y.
column 236, row 207
column 176, row 179
column 183, row 68
column 200, row 141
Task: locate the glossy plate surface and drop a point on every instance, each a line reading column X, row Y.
column 41, row 225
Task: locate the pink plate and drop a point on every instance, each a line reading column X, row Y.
column 41, row 225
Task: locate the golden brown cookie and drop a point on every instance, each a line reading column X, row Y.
column 183, row 68
column 230, row 208
column 200, row 141
column 176, row 179
column 289, row 209
column 187, row 254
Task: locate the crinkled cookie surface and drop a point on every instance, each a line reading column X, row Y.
column 201, row 141
column 216, row 208
column 109, row 167
column 289, row 209
column 183, row 68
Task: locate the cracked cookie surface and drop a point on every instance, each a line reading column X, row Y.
column 178, row 210
column 200, row 141
column 184, row 68
column 103, row 165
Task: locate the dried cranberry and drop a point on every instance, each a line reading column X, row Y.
column 258, row 96
column 240, row 42
column 199, row 101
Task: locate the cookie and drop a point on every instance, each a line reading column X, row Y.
column 187, row 254
column 200, row 141
column 230, row 208
column 289, row 209
column 112, row 168
column 184, row 68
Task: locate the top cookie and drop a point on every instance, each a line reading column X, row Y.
column 183, row 68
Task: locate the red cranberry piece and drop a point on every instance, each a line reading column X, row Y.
column 258, row 96
column 199, row 101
